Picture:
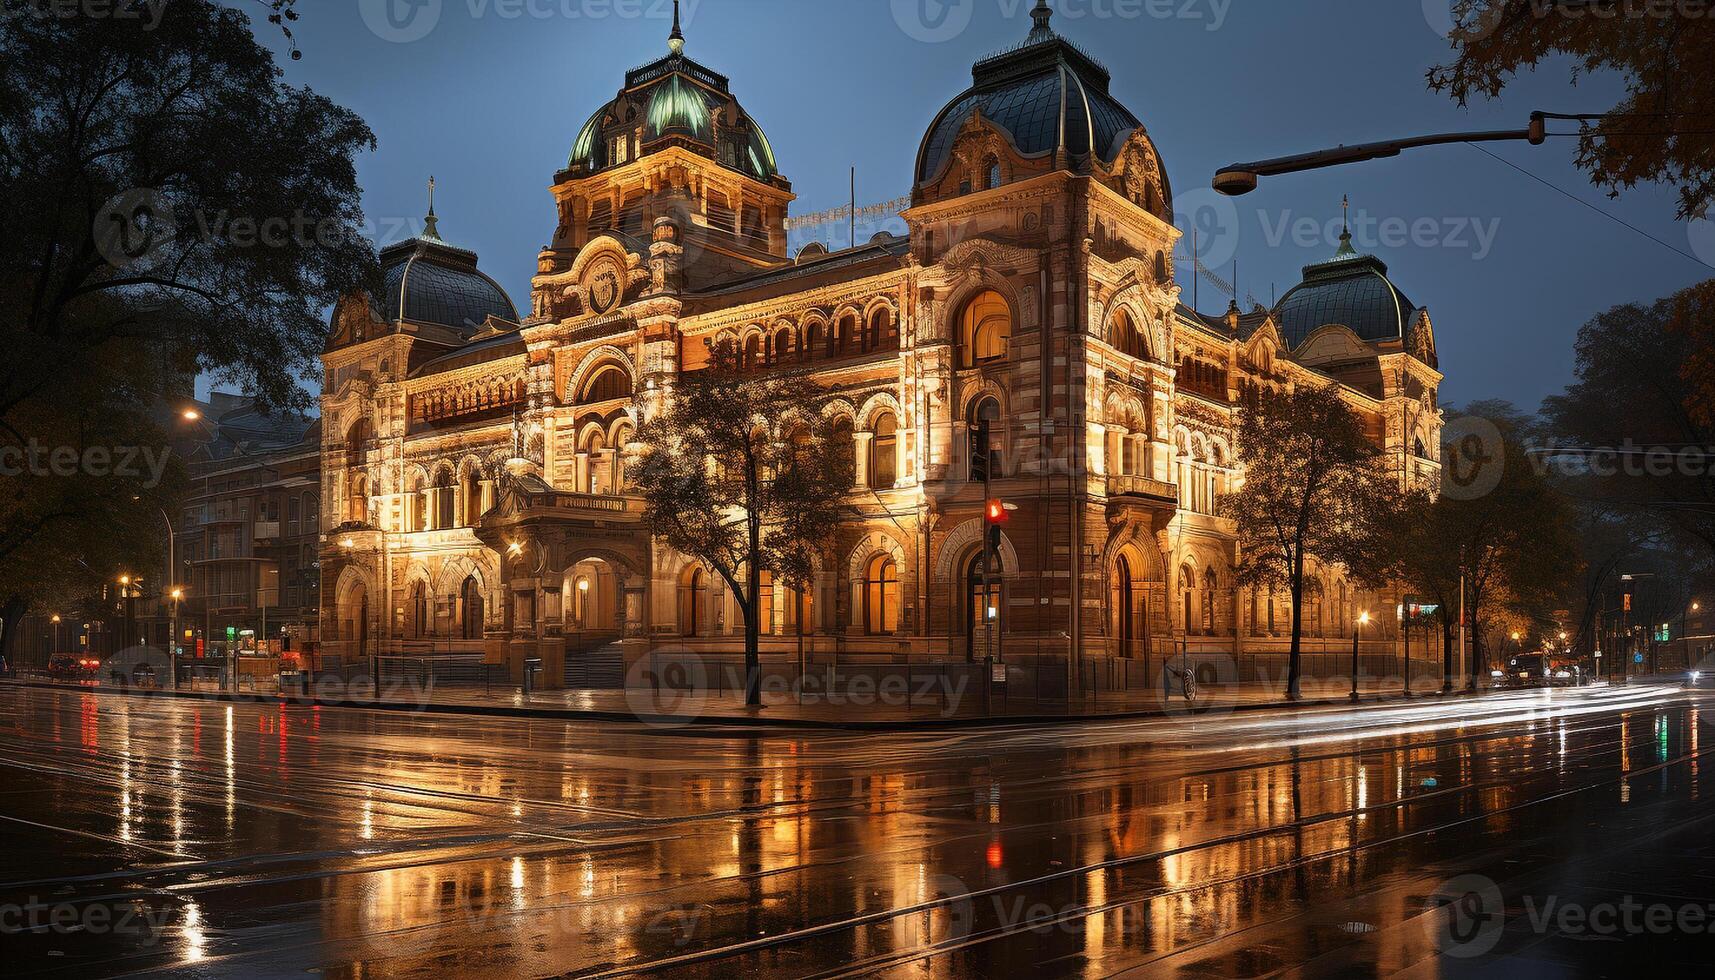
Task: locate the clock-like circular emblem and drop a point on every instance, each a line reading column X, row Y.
column 604, row 291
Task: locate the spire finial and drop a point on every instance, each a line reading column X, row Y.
column 1346, row 249
column 429, row 229
column 1041, row 16
column 676, row 40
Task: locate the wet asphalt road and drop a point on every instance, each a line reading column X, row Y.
column 1467, row 838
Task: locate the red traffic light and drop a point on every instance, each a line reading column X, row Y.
column 995, row 513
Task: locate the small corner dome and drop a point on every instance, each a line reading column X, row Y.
column 1351, row 290
column 428, row 281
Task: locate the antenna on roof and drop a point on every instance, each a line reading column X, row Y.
column 676, row 40
column 429, row 229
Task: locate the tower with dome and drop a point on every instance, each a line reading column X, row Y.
column 475, row 457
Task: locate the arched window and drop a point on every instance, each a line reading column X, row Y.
column 883, row 333
column 881, row 596
column 844, row 339
column 1124, row 601
column 608, row 384
column 358, row 500
column 985, row 329
column 1210, row 584
column 984, row 607
column 417, row 506
column 992, row 170
column 472, row 499
column 782, row 345
column 812, row 341
column 444, row 500
column 595, row 453
column 1125, row 337
column 420, row 625
column 987, row 440
column 752, row 352
column 1187, row 599
column 471, row 609
column 693, row 588
column 884, row 452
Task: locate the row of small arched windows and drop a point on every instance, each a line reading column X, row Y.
column 846, row 337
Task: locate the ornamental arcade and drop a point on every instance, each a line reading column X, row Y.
column 474, row 459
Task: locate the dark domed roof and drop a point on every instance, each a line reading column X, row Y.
column 1351, row 290
column 676, row 99
column 1047, row 95
column 425, row 280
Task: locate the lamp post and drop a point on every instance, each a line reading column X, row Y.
column 56, row 643
column 1363, row 620
column 173, row 642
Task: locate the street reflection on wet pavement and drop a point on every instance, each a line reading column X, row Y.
column 261, row 840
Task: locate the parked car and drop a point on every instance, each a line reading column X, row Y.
column 73, row 667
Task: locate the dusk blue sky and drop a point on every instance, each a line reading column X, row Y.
column 491, row 98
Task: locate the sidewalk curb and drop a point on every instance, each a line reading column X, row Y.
column 710, row 723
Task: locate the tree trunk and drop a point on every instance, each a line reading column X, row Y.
column 1294, row 658
column 1446, row 655
column 11, row 629
column 753, row 611
column 753, row 653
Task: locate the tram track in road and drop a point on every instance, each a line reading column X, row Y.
column 820, row 780
column 774, row 944
column 588, row 836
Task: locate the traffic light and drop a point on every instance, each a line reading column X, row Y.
column 995, row 513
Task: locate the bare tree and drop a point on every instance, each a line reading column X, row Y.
column 741, row 472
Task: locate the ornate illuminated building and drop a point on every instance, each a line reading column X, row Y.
column 474, row 459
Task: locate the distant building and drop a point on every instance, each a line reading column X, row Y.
column 474, row 460
column 249, row 532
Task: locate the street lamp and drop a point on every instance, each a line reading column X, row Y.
column 1363, row 620
column 173, row 641
column 1242, row 178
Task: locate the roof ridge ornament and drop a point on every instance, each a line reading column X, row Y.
column 1042, row 15
column 676, row 40
column 430, row 229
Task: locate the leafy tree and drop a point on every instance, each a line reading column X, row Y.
column 1512, row 553
column 1663, row 129
column 173, row 208
column 1622, row 436
column 1694, row 320
column 741, row 472
column 1314, row 491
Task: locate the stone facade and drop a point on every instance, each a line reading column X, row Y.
column 474, row 469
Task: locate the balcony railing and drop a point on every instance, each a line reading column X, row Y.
column 267, row 530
